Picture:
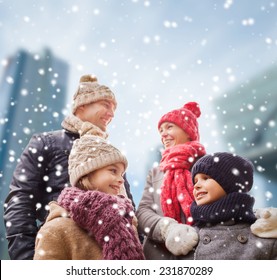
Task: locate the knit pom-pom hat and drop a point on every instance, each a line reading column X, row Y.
column 89, row 91
column 232, row 172
column 185, row 118
column 90, row 153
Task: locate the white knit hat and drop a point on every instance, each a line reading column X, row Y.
column 90, row 153
column 90, row 91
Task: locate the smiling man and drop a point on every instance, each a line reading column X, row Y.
column 42, row 172
column 97, row 108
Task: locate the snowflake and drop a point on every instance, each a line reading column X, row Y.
column 177, row 239
column 168, row 201
column 147, row 230
column 8, row 224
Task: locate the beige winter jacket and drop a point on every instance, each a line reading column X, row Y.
column 60, row 238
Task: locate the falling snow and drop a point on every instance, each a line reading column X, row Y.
column 155, row 56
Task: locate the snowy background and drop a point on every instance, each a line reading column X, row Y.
column 155, row 55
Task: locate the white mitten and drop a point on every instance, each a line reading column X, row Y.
column 179, row 238
column 266, row 223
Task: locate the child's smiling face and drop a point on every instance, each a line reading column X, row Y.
column 108, row 179
column 206, row 190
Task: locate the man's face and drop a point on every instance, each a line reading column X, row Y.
column 99, row 113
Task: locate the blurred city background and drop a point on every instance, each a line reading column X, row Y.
column 155, row 56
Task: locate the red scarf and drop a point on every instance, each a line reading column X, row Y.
column 177, row 186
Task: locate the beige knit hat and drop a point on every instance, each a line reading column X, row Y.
column 90, row 153
column 90, row 91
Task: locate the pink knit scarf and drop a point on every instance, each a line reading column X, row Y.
column 177, row 186
column 107, row 218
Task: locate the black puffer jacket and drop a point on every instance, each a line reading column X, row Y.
column 38, row 179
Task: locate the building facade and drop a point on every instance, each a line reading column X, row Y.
column 33, row 96
column 248, row 120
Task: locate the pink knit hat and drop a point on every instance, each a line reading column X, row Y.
column 185, row 118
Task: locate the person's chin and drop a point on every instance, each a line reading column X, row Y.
column 113, row 192
column 203, row 201
column 106, row 122
column 169, row 145
column 103, row 127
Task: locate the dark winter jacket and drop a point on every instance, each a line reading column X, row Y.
column 38, row 179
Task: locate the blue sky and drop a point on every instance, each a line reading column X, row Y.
column 155, row 55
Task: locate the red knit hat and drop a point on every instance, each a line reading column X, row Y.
column 185, row 118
